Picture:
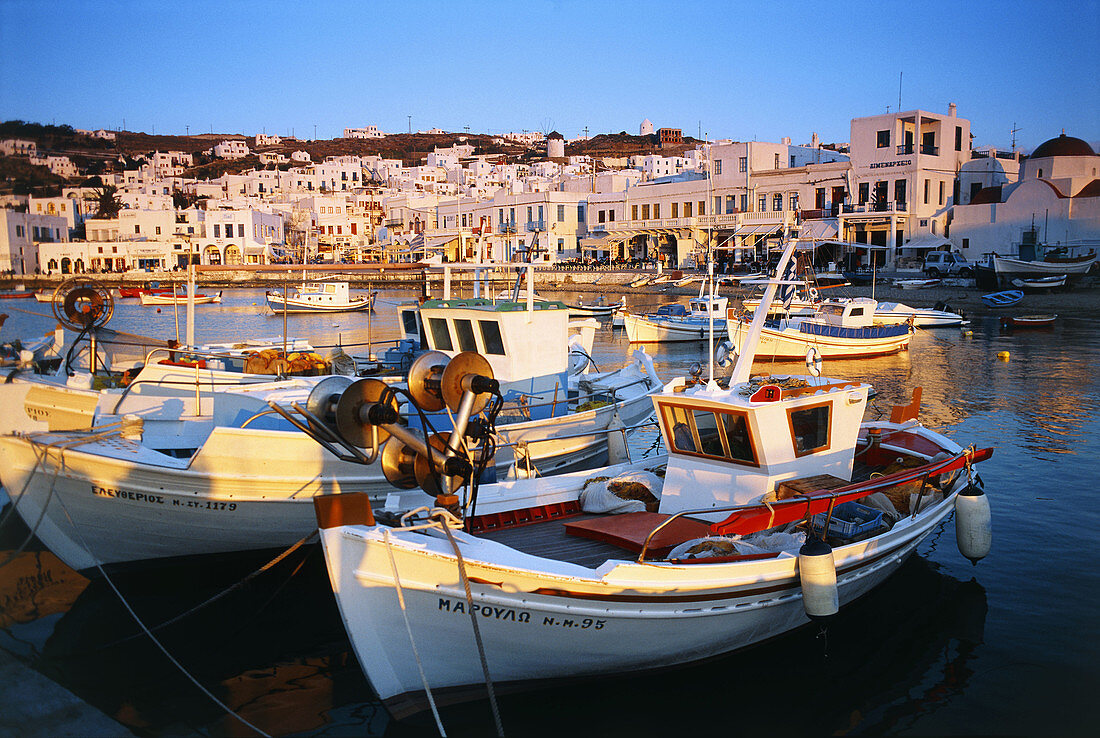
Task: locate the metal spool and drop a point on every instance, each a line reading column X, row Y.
column 81, row 303
column 350, row 422
column 398, row 464
column 466, row 363
column 322, row 398
column 428, row 481
column 425, row 376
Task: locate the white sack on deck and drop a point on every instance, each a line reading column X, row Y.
column 599, row 495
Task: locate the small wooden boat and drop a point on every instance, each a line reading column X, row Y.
column 641, row 281
column 15, row 294
column 1040, row 284
column 169, row 299
column 917, row 284
column 1021, row 322
column 1004, row 299
column 599, row 309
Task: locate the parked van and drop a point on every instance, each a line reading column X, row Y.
column 947, row 263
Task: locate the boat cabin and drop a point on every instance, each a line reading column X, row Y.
column 323, row 293
column 527, row 349
column 855, row 312
column 733, row 447
column 716, row 306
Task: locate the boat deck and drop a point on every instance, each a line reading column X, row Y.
column 550, row 540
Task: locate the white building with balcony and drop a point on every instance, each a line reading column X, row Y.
column 22, row 233
column 905, row 167
column 368, row 132
column 235, row 148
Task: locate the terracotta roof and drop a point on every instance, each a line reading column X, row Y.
column 1092, row 189
column 1062, row 146
column 986, row 196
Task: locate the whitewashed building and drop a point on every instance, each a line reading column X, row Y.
column 1055, row 204
column 368, row 132
column 20, row 235
column 235, row 148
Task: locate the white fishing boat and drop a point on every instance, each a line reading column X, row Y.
column 842, row 329
column 1053, row 263
column 1041, row 284
column 917, row 284
column 940, row 316
column 703, row 318
column 804, row 303
column 188, row 463
column 322, row 296
column 149, row 299
column 777, row 506
column 598, row 309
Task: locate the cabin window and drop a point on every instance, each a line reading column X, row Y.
column 714, row 434
column 809, row 429
column 464, row 329
column 408, row 320
column 441, row 337
column 490, row 337
column 856, row 311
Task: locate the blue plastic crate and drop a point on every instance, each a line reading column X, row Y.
column 850, row 521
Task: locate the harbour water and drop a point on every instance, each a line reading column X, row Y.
column 1011, row 646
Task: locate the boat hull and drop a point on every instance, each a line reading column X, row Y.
column 792, row 344
column 275, row 302
column 640, row 329
column 244, row 489
column 158, row 299
column 566, row 622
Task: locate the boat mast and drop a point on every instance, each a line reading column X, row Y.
column 748, row 346
column 190, row 293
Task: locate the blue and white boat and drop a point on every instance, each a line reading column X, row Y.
column 704, row 317
column 1004, row 299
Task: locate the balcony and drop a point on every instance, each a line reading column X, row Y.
column 535, row 226
column 394, row 222
column 506, row 227
column 904, row 149
column 930, row 150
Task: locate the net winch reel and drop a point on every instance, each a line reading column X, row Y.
column 83, row 305
column 360, row 420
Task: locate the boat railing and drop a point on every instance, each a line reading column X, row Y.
column 623, row 429
column 922, row 474
column 198, row 380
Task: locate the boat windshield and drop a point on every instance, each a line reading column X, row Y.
column 709, row 432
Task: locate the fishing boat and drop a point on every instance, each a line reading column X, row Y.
column 777, row 507
column 1023, row 322
column 703, row 318
column 641, row 281
column 190, row 462
column 685, row 281
column 599, row 309
column 842, row 329
column 149, row 288
column 939, row 316
column 16, row 294
column 1004, row 299
column 327, row 296
column 1053, row 263
column 917, row 284
column 1040, row 284
column 44, row 296
column 150, row 299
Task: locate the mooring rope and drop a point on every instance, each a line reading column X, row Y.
column 408, row 629
column 477, row 630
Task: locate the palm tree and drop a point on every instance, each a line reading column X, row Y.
column 108, row 201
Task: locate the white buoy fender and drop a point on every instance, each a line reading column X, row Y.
column 817, row 573
column 973, row 523
column 616, row 441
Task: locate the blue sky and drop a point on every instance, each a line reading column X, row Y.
column 729, row 70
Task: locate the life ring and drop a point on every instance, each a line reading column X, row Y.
column 814, row 294
column 813, row 361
